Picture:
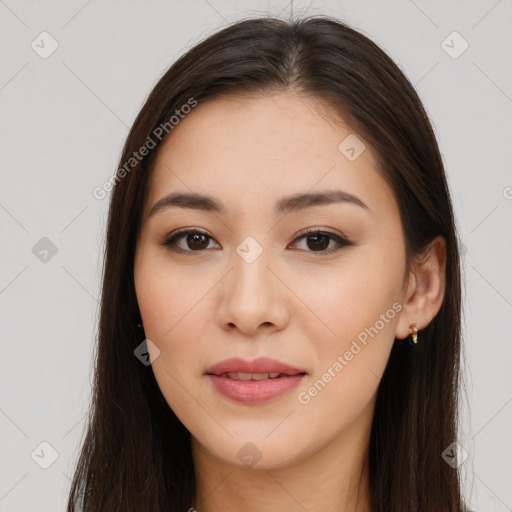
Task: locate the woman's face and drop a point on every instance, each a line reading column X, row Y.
column 250, row 285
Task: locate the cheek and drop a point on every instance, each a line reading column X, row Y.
column 353, row 300
column 170, row 306
column 168, row 296
column 350, row 363
column 358, row 309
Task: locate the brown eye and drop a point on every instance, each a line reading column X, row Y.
column 194, row 241
column 318, row 241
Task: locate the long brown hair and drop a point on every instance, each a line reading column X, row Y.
column 136, row 453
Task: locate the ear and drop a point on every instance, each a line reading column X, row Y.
column 425, row 289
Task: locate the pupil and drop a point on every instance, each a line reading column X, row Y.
column 322, row 246
column 196, row 238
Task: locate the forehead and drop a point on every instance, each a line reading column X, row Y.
column 258, row 147
column 270, row 127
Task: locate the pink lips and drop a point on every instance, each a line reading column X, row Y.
column 254, row 391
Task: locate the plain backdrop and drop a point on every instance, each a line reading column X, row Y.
column 63, row 121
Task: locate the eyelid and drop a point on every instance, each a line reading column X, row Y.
column 323, row 231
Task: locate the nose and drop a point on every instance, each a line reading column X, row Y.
column 253, row 299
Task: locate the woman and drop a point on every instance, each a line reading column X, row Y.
column 281, row 308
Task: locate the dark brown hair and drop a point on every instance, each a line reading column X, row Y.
column 136, row 453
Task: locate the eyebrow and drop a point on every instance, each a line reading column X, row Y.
column 284, row 205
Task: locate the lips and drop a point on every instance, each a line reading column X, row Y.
column 240, row 369
column 254, row 382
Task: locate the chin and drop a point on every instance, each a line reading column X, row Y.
column 256, row 452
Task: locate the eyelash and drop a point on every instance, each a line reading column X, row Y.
column 170, row 241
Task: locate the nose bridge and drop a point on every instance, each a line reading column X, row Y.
column 251, row 277
column 252, row 294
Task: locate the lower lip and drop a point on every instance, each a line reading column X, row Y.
column 254, row 391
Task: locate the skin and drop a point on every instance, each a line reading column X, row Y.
column 294, row 303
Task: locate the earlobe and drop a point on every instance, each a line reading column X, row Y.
column 426, row 288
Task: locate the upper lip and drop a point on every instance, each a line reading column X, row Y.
column 260, row 365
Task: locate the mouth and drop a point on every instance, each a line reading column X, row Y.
column 254, row 382
column 254, row 376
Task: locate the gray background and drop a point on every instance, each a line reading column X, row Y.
column 63, row 122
